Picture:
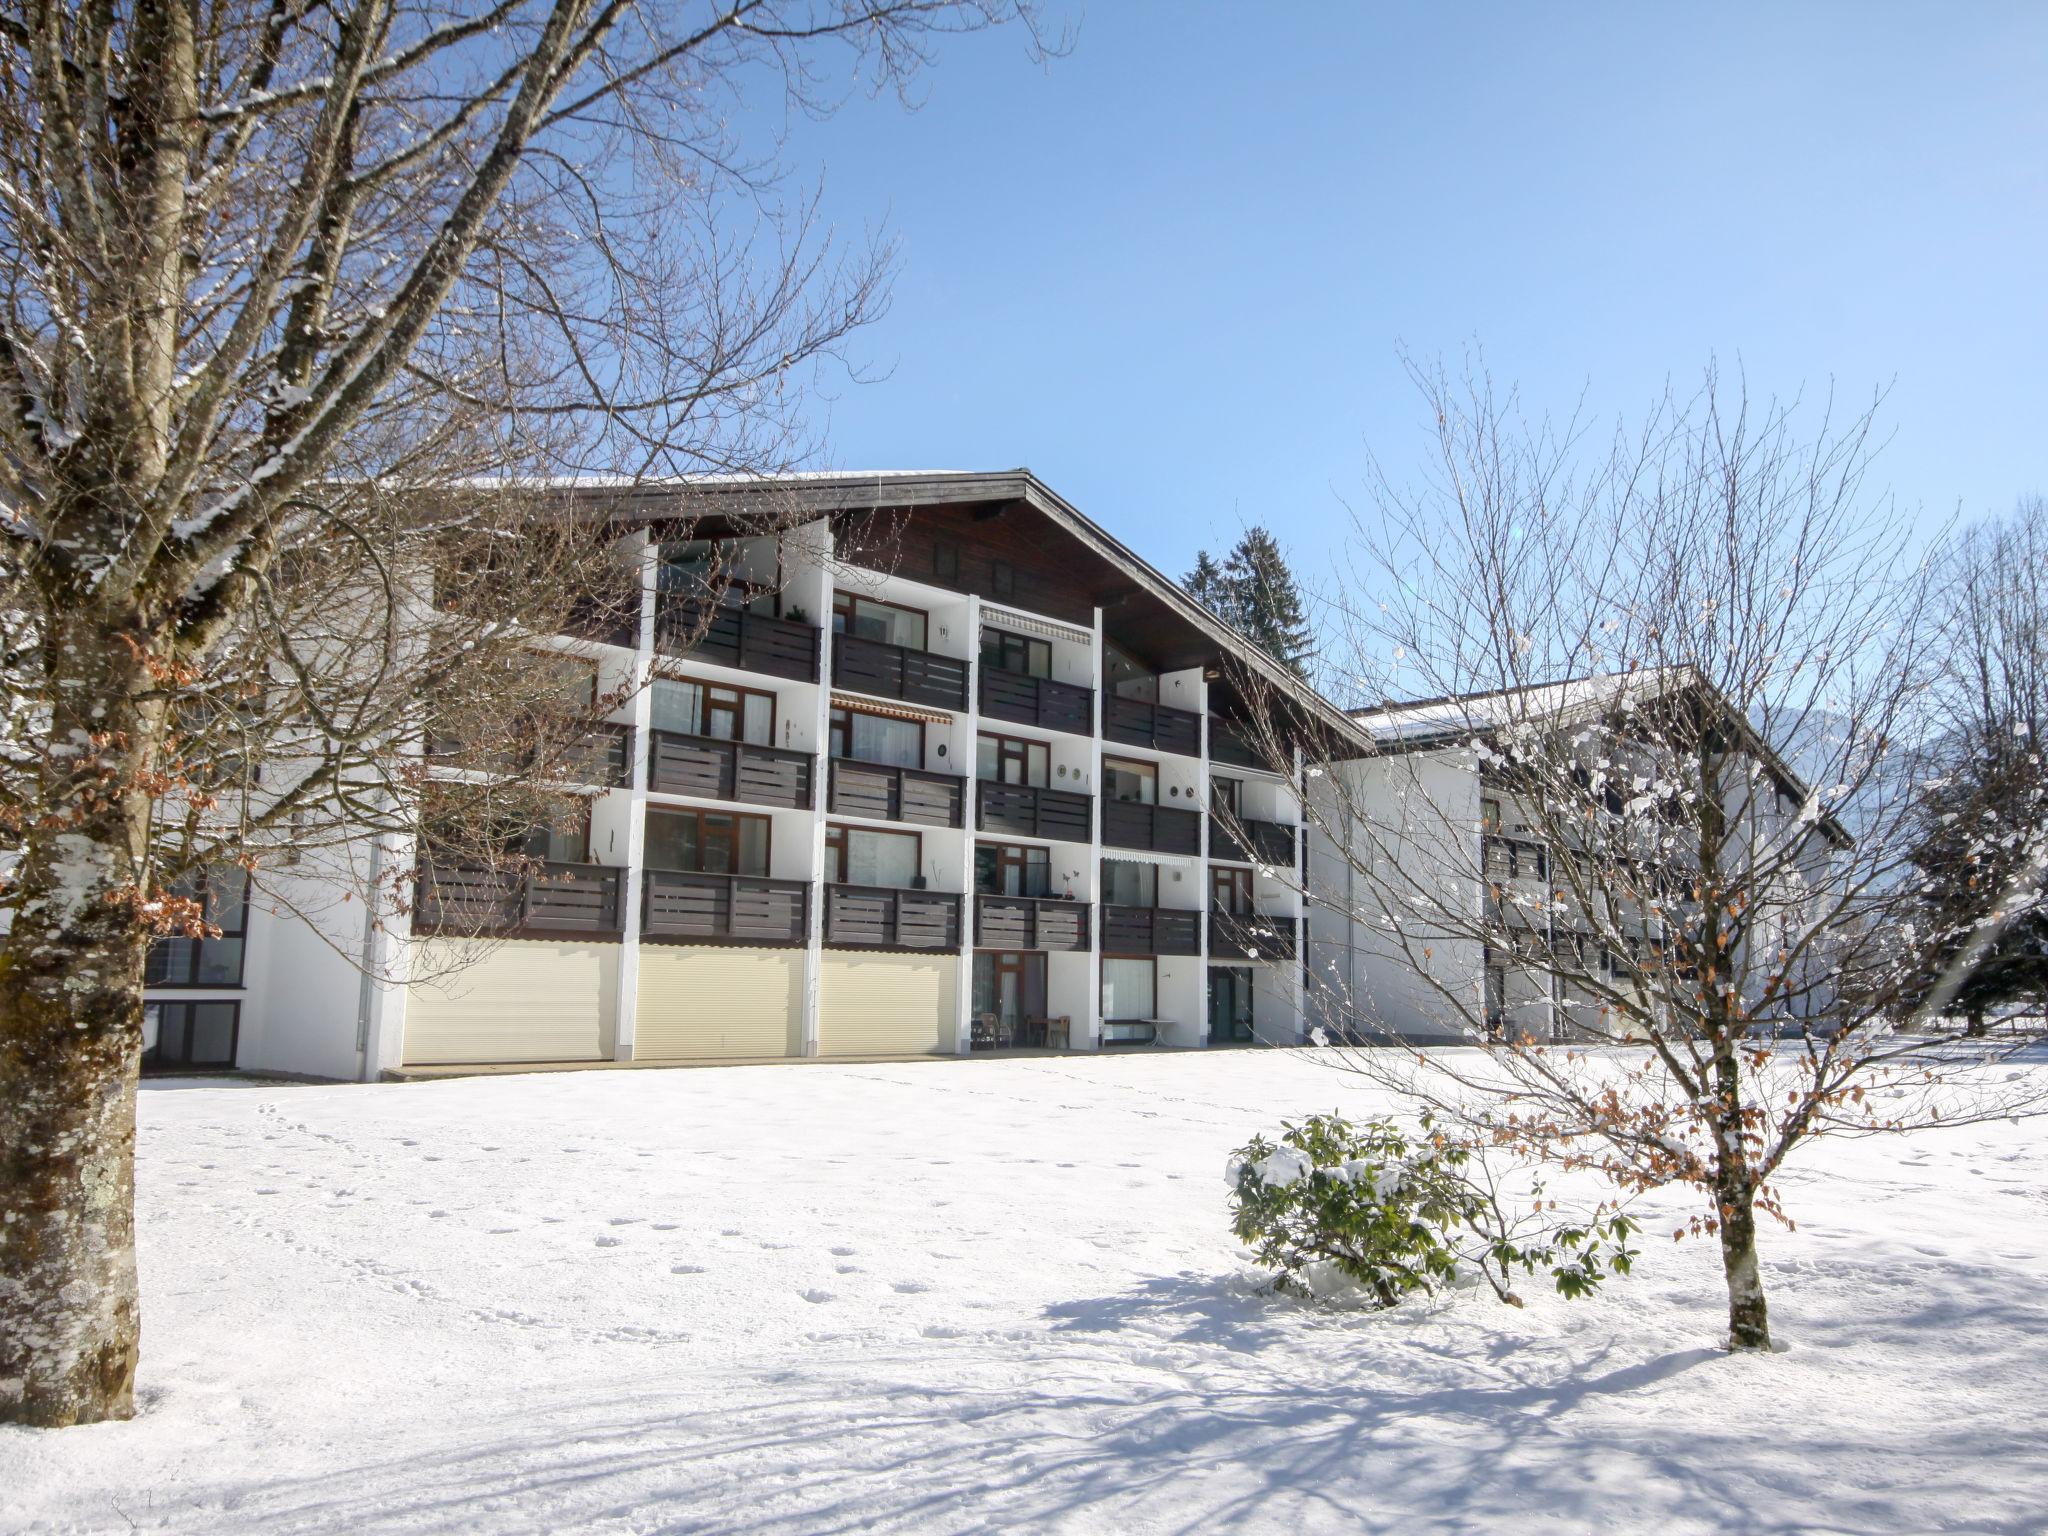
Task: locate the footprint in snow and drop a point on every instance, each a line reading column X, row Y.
column 687, row 1269
column 611, row 1242
column 814, row 1294
column 843, row 1251
column 909, row 1287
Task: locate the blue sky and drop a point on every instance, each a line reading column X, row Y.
column 1173, row 271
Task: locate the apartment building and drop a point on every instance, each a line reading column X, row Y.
column 942, row 773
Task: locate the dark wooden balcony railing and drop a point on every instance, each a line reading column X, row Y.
column 681, row 907
column 613, row 618
column 1030, row 922
column 882, row 917
column 1030, row 812
column 1252, row 841
column 1037, row 701
column 1156, row 828
column 728, row 770
column 732, row 637
column 548, row 899
column 1229, row 744
column 1254, row 935
column 896, row 794
column 1158, row 726
column 1150, row 931
column 898, row 672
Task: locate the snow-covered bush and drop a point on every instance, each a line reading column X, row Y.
column 1364, row 1213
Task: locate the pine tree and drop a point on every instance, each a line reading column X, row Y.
column 1268, row 603
column 1206, row 584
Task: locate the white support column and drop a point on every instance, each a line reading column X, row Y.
column 1203, row 889
column 1298, row 989
column 387, row 962
column 821, row 790
column 1101, row 665
column 963, row 1016
column 627, row 1008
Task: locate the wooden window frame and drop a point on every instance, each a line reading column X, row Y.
column 835, row 851
column 1226, row 794
column 1240, row 883
column 742, row 694
column 1005, row 637
column 1145, row 770
column 1102, row 882
column 1003, row 859
column 832, row 730
column 698, row 813
column 1002, row 741
column 851, row 598
column 1107, row 1016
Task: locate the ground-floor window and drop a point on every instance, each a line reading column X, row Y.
column 1230, row 1003
column 1130, row 987
column 1009, row 992
column 190, row 1036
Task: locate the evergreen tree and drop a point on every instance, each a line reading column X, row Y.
column 1254, row 592
column 1267, row 600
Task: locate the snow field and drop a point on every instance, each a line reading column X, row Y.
column 995, row 1296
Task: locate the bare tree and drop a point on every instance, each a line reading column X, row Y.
column 1637, row 826
column 300, row 303
column 1983, row 817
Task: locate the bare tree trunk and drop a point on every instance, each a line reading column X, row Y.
column 1749, row 1319
column 70, row 1039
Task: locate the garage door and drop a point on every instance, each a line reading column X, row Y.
column 718, row 1004
column 510, row 1000
column 887, row 1005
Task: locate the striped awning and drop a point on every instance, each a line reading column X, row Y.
column 1027, row 624
column 869, row 706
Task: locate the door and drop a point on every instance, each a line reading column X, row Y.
column 1230, row 1004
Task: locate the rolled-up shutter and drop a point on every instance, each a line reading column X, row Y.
column 718, row 1004
column 887, row 1005
column 510, row 1000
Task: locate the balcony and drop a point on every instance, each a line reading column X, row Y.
column 1030, row 922
column 545, row 899
column 1229, row 744
column 601, row 757
column 1150, row 931
column 1161, row 727
column 883, row 917
column 610, row 618
column 680, row 907
column 733, row 637
column 896, row 794
column 1037, row 701
column 728, row 770
column 898, row 672
column 1027, row 811
column 1251, row 841
column 1250, row 935
column 1155, row 828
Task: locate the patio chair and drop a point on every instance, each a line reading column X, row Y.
column 1057, row 1032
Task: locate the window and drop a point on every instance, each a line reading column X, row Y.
column 1227, row 795
column 689, row 708
column 1128, row 677
column 1130, row 988
column 563, row 840
column 707, row 843
column 1003, row 579
column 1489, row 816
column 857, row 856
column 869, row 618
column 945, row 561
column 1130, row 883
column 176, row 961
column 693, row 570
column 1011, row 985
column 1005, row 652
column 192, row 1037
column 571, row 680
column 1132, row 782
column 1007, row 869
column 866, row 738
column 1010, row 760
column 1230, row 891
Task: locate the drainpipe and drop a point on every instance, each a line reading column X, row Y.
column 366, row 964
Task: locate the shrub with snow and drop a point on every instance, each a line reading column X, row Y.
column 1364, row 1214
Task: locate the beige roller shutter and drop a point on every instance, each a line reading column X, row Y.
column 510, row 1000
column 887, row 1005
column 718, row 1004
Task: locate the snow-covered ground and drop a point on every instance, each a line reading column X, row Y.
column 994, row 1296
